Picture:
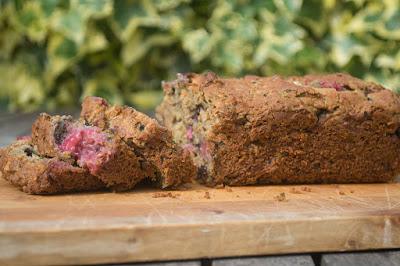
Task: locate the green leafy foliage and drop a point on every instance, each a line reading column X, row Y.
column 53, row 52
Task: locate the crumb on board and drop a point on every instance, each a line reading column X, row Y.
column 305, row 188
column 281, row 197
column 184, row 187
column 207, row 195
column 295, row 191
column 237, row 196
column 228, row 189
column 165, row 195
column 341, row 193
column 248, row 192
column 352, row 191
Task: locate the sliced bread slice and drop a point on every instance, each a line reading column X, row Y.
column 21, row 165
column 169, row 164
column 103, row 153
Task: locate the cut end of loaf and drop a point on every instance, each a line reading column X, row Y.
column 184, row 111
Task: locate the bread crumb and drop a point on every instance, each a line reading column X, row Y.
column 307, row 189
column 165, row 195
column 237, row 196
column 341, row 193
column 295, row 191
column 228, row 189
column 184, row 187
column 281, row 197
column 248, row 192
column 207, row 195
column 351, row 191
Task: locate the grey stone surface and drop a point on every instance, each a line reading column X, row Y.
column 15, row 125
column 379, row 258
column 171, row 263
column 19, row 124
column 302, row 260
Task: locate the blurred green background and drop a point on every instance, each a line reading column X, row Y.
column 54, row 52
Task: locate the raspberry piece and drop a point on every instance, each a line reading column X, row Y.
column 88, row 146
column 335, row 85
column 189, row 133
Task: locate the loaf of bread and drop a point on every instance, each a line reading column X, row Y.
column 163, row 160
column 103, row 153
column 21, row 165
column 270, row 130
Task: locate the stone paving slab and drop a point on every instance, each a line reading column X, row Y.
column 379, row 258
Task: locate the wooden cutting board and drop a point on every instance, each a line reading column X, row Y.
column 199, row 222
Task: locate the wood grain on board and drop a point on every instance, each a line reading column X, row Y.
column 149, row 225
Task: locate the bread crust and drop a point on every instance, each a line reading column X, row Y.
column 164, row 161
column 312, row 129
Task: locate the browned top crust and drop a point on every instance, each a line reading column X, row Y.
column 163, row 159
column 254, row 95
column 280, row 93
column 333, row 125
column 33, row 174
